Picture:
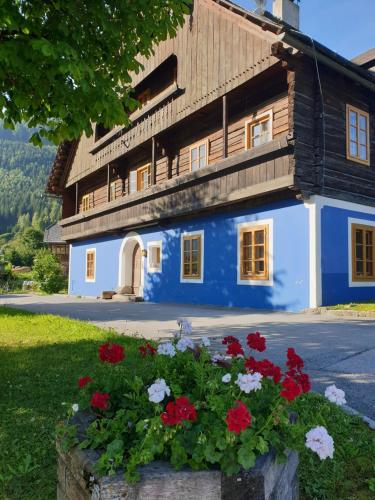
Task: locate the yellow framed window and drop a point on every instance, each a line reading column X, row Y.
column 258, row 131
column 90, row 265
column 199, row 155
column 143, row 177
column 85, row 203
column 363, row 253
column 192, row 256
column 254, row 253
column 357, row 135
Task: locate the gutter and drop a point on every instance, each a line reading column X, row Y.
column 341, row 65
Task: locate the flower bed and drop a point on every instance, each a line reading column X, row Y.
column 188, row 408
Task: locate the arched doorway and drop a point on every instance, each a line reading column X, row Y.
column 136, row 271
column 131, row 272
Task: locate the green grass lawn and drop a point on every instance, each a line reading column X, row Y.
column 41, row 358
column 356, row 306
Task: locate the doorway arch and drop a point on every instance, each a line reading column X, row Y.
column 130, row 251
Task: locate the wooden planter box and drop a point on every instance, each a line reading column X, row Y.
column 266, row 481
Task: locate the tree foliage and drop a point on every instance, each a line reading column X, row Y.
column 23, row 176
column 23, row 247
column 47, row 272
column 66, row 64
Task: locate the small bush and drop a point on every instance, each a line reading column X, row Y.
column 47, row 272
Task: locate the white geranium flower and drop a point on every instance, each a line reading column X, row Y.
column 226, row 378
column 205, row 342
column 167, row 349
column 217, row 357
column 185, row 326
column 158, row 390
column 184, row 344
column 335, row 395
column 75, row 407
column 249, row 382
column 321, row 442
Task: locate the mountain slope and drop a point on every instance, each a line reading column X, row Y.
column 23, row 174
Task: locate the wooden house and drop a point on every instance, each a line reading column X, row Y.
column 247, row 177
column 59, row 247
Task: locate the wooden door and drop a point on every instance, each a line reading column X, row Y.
column 136, row 281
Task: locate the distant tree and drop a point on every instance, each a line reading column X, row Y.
column 67, row 64
column 23, row 175
column 47, row 272
column 23, row 222
column 21, row 250
column 32, row 239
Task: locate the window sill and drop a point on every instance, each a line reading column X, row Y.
column 252, row 282
column 365, row 163
column 191, row 280
column 152, row 270
column 354, row 284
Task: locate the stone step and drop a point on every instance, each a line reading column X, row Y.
column 127, row 297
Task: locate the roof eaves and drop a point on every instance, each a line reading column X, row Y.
column 312, row 48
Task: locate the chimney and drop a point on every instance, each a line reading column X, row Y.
column 287, row 11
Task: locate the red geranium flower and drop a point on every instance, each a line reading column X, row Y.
column 277, row 374
column 251, row 364
column 100, row 400
column 178, row 411
column 265, row 367
column 111, row 353
column 229, row 339
column 238, row 418
column 303, row 380
column 294, row 361
column 235, row 349
column 147, row 349
column 291, row 389
column 84, row 381
column 256, row 341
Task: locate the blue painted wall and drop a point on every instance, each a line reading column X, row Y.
column 335, row 257
column 107, row 258
column 290, row 290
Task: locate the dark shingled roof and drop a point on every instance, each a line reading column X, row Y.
column 53, row 234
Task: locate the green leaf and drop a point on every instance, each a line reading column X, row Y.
column 211, row 455
column 178, row 455
column 262, row 445
column 246, row 457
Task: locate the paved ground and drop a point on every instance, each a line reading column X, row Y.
column 336, row 350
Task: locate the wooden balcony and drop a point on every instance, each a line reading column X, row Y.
column 248, row 174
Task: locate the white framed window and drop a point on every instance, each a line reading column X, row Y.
column 357, row 135
column 154, row 256
column 199, row 155
column 132, row 181
column 192, row 257
column 255, row 253
column 112, row 191
column 258, row 130
column 361, row 252
column 90, row 272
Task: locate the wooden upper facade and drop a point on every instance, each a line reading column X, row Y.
column 232, row 113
